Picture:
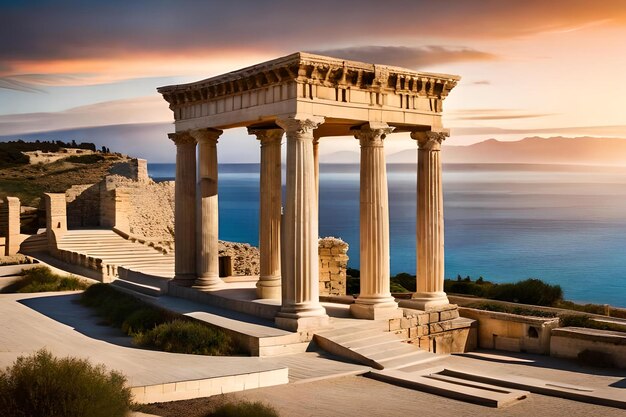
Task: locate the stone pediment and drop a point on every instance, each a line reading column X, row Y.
column 345, row 92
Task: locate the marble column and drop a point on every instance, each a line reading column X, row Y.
column 269, row 285
column 375, row 300
column 208, row 273
column 430, row 232
column 185, row 209
column 316, row 163
column 300, row 270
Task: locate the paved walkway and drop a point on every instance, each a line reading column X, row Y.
column 55, row 321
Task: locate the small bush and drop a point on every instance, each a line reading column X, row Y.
column 182, row 336
column 146, row 318
column 406, row 281
column 42, row 279
column 244, row 409
column 512, row 310
column 42, row 385
column 531, row 291
column 154, row 327
column 85, row 159
column 576, row 320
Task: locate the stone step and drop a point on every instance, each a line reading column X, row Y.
column 136, row 287
column 371, row 346
column 415, row 358
column 433, row 382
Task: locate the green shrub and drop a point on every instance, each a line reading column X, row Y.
column 531, row 291
column 42, row 279
column 577, row 320
column 42, row 385
column 244, row 409
column 146, row 318
column 154, row 327
column 397, row 288
column 183, row 336
column 406, row 281
column 512, row 310
column 85, row 159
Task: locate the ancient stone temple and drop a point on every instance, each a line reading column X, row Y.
column 306, row 98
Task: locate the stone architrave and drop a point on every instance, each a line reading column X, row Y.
column 430, row 231
column 300, row 260
column 375, row 300
column 269, row 284
column 10, row 224
column 185, row 209
column 207, row 273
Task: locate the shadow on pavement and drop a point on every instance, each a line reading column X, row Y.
column 542, row 361
column 65, row 309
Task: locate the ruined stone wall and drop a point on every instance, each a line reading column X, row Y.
column 150, row 206
column 333, row 263
column 83, row 206
column 244, row 257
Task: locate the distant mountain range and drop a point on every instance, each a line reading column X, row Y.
column 556, row 150
column 149, row 140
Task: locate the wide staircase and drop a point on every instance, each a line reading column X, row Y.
column 118, row 260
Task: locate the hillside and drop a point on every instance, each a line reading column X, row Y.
column 555, row 150
column 29, row 182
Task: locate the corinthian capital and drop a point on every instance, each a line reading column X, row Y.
column 372, row 134
column 267, row 136
column 429, row 140
column 300, row 125
column 206, row 135
column 182, row 138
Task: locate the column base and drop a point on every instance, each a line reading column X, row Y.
column 184, row 280
column 429, row 300
column 293, row 323
column 269, row 288
column 375, row 311
column 208, row 283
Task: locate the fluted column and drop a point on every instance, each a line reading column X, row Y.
column 300, row 270
column 269, row 283
column 375, row 300
column 316, row 163
column 430, row 232
column 185, row 209
column 208, row 274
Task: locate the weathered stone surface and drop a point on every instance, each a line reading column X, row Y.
column 333, row 263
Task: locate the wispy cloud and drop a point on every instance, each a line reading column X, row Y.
column 138, row 110
column 609, row 131
column 64, row 30
column 410, row 57
column 493, row 114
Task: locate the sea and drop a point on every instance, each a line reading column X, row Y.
column 505, row 222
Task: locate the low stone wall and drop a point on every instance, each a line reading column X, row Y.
column 333, row 263
column 589, row 345
column 512, row 332
column 438, row 330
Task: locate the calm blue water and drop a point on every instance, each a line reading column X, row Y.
column 563, row 224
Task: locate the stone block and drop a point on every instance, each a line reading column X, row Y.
column 433, row 317
column 448, row 315
column 324, row 252
column 405, row 323
column 423, row 318
column 394, row 324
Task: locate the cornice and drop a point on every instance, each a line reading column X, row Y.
column 304, row 68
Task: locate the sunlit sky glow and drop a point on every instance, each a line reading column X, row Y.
column 529, row 68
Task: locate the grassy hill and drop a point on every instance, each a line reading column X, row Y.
column 29, row 182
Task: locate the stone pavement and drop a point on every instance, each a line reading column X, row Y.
column 55, row 322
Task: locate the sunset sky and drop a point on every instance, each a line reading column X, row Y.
column 529, row 68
